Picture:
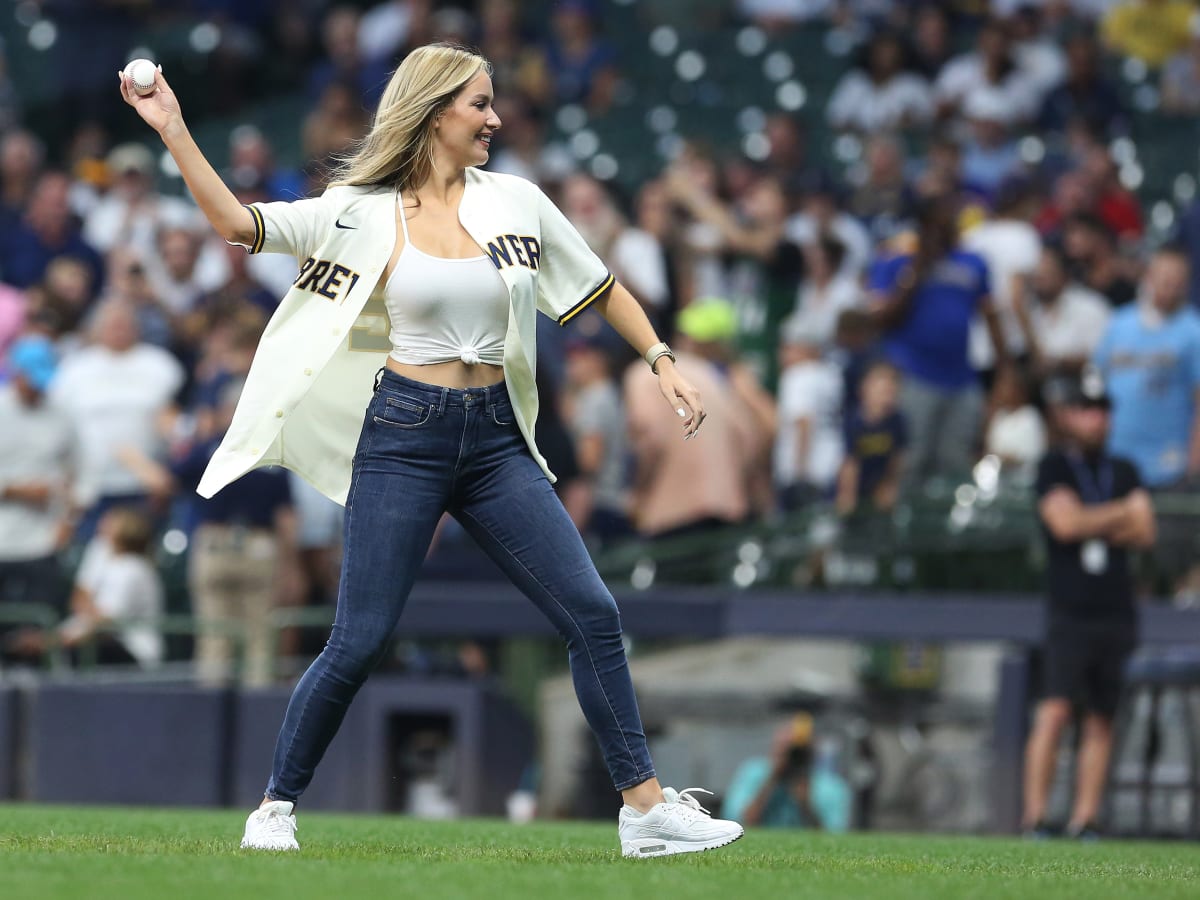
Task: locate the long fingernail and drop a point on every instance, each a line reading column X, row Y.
column 681, row 413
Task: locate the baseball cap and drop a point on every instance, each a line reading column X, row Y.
column 708, row 320
column 130, row 158
column 1084, row 390
column 34, row 358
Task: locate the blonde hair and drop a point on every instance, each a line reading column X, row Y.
column 398, row 150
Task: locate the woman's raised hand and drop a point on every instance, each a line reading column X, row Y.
column 160, row 109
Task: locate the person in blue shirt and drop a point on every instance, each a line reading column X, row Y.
column 787, row 790
column 924, row 303
column 1150, row 360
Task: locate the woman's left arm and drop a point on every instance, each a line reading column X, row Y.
column 626, row 315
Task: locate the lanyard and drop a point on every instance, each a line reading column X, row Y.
column 1093, row 489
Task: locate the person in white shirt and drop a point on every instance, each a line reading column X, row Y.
column 113, row 391
column 880, row 95
column 825, row 293
column 447, row 426
column 115, row 604
column 1063, row 321
column 808, row 443
column 1016, row 432
column 36, row 466
column 1011, row 247
column 991, row 72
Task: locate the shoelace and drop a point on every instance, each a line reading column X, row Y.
column 279, row 826
column 685, row 798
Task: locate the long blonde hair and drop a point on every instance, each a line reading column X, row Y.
column 398, row 150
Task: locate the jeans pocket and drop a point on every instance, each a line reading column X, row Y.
column 502, row 414
column 401, row 413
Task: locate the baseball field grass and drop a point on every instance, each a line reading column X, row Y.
column 81, row 853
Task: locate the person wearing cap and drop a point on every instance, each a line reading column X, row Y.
column 35, row 476
column 1094, row 511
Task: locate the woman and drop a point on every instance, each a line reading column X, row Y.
column 393, row 269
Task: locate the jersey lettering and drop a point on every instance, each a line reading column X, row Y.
column 327, row 278
column 514, row 249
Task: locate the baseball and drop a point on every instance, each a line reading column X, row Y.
column 141, row 75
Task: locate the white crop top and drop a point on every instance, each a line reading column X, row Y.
column 445, row 309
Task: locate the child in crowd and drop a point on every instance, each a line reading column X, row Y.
column 876, row 436
column 1016, row 433
column 808, row 442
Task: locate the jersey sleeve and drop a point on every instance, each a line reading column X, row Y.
column 294, row 227
column 570, row 276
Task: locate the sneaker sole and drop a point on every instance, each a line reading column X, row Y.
column 645, row 848
column 248, row 846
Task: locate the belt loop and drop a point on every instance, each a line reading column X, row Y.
column 378, row 378
column 488, row 402
column 442, row 401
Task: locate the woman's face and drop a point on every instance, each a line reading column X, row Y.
column 464, row 131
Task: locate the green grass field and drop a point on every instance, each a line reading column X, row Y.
column 48, row 853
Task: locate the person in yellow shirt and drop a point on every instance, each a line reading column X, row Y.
column 1150, row 30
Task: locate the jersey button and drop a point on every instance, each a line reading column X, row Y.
column 279, row 413
column 308, row 371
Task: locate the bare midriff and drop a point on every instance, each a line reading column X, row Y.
column 452, row 374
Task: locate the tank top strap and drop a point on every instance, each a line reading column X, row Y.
column 403, row 218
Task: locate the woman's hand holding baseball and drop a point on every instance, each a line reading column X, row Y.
column 684, row 398
column 160, row 109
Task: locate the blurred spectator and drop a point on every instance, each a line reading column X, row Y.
column 1035, row 49
column 808, row 442
column 925, row 303
column 1086, row 95
column 656, row 219
column 787, row 150
column 1094, row 262
column 36, row 468
column 685, row 486
column 931, row 48
column 1063, row 322
column 13, row 308
column 21, row 158
column 758, row 264
column 518, row 63
column 883, row 198
column 1010, row 246
column 114, row 389
column 597, row 424
column 115, row 599
column 821, row 212
column 880, row 94
column 240, row 287
column 789, row 788
column 1179, row 84
column 1015, row 432
column 252, row 162
column 635, row 256
column 1150, row 359
column 876, row 440
column 522, row 148
column 1114, row 204
column 345, row 63
column 175, row 272
column 63, row 298
column 1094, row 510
column 131, row 213
column 336, row 121
column 127, row 281
column 242, row 562
column 1149, row 30
column 825, row 293
column 582, row 65
column 990, row 77
column 989, row 153
column 47, row 230
column 387, row 28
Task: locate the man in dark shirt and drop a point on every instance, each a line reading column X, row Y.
column 1094, row 510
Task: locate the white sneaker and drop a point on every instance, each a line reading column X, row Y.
column 271, row 827
column 677, row 825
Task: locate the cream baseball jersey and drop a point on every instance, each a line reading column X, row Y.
column 313, row 373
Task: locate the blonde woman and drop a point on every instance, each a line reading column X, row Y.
column 420, row 278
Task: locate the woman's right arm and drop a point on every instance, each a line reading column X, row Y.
column 224, row 211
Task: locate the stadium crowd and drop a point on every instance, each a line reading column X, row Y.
column 854, row 332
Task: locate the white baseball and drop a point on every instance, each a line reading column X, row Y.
column 141, row 75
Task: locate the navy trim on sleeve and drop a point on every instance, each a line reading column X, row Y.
column 587, row 301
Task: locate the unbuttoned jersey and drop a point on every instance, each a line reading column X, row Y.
column 313, row 373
